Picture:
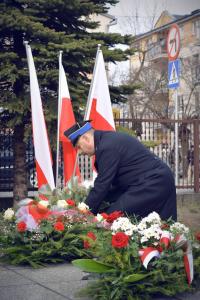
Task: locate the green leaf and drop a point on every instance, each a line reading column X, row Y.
column 135, row 277
column 90, row 265
column 45, row 190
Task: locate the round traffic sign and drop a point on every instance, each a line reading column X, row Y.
column 173, row 42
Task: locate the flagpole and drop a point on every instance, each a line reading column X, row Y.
column 58, row 119
column 92, row 83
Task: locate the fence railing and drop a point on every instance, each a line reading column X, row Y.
column 158, row 135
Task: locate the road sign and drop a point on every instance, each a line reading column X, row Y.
column 173, row 42
column 173, row 74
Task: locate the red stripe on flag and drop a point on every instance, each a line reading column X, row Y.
column 66, row 118
column 69, row 155
column 98, row 121
column 40, row 176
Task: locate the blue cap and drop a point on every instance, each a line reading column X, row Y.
column 78, row 129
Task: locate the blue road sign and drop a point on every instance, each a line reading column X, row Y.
column 173, row 73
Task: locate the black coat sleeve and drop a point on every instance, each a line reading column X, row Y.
column 108, row 163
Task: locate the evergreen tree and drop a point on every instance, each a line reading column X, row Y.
column 48, row 26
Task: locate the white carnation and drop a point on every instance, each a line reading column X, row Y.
column 82, row 206
column 44, row 203
column 9, row 214
column 62, row 204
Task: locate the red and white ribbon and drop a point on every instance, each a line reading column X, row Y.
column 165, row 238
column 148, row 253
column 182, row 242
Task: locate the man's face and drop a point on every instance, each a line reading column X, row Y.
column 85, row 144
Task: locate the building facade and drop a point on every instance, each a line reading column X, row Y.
column 150, row 64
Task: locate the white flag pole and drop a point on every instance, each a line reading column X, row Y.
column 58, row 119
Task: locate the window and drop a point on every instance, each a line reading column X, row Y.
column 181, row 32
column 196, row 28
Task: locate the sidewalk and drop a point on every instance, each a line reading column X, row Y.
column 55, row 282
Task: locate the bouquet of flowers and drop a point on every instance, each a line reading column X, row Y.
column 46, row 229
column 138, row 260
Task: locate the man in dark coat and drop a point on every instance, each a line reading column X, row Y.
column 130, row 177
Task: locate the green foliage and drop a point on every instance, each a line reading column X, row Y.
column 165, row 276
column 108, row 247
column 73, row 190
column 42, row 246
column 45, row 244
column 89, row 265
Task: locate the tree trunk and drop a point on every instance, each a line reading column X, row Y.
column 20, row 188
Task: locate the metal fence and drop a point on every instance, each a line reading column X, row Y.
column 158, row 135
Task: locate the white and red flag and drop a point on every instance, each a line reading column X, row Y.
column 99, row 108
column 66, row 120
column 40, row 138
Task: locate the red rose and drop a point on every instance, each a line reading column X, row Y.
column 197, row 236
column 92, row 236
column 113, row 216
column 59, row 226
column 71, row 202
column 21, row 226
column 120, row 240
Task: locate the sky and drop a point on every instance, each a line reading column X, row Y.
column 137, row 16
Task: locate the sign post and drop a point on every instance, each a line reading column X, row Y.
column 173, row 49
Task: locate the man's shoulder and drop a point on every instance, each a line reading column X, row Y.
column 112, row 138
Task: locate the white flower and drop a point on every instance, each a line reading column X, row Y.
column 44, row 203
column 99, row 217
column 141, row 226
column 123, row 224
column 9, row 214
column 179, row 227
column 83, row 207
column 153, row 218
column 88, row 184
column 62, row 204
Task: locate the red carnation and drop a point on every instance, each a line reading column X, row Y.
column 92, row 236
column 59, row 226
column 21, row 226
column 197, row 236
column 71, row 202
column 113, row 216
column 104, row 215
column 120, row 240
